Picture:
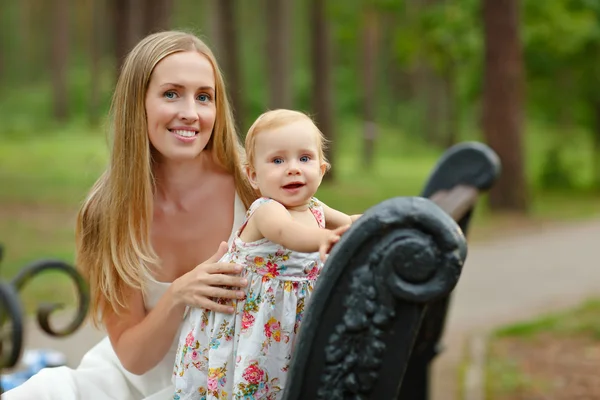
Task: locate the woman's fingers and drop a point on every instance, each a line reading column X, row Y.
column 223, row 268
column 214, row 306
column 222, row 293
column 226, row 280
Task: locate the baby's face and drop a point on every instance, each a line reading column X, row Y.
column 287, row 167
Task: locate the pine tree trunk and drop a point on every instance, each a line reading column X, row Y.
column 59, row 57
column 121, row 28
column 157, row 16
column 503, row 101
column 369, row 68
column 321, row 72
column 96, row 51
column 278, row 46
column 229, row 57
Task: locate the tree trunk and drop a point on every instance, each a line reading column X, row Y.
column 277, row 46
column 596, row 142
column 211, row 22
column 368, row 57
column 60, row 53
column 321, row 72
column 120, row 17
column 2, row 51
column 25, row 34
column 136, row 18
column 157, row 16
column 503, row 101
column 96, row 51
column 229, row 57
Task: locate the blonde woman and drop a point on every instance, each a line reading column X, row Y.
column 173, row 193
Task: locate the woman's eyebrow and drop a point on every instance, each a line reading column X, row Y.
column 179, row 86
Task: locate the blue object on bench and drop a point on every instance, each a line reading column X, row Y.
column 32, row 362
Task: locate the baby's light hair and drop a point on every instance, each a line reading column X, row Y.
column 274, row 119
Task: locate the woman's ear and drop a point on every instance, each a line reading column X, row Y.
column 251, row 174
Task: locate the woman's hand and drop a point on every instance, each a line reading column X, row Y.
column 330, row 238
column 208, row 281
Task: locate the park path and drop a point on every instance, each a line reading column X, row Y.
column 514, row 278
column 506, row 279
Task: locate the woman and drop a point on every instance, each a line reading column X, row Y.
column 172, row 193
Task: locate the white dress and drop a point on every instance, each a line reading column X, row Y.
column 247, row 355
column 100, row 375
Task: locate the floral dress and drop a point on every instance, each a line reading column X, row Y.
column 246, row 355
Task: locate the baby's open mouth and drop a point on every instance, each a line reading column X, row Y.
column 293, row 185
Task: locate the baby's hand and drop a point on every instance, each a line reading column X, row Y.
column 330, row 237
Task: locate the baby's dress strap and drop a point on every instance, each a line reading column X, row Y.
column 253, row 207
column 316, row 207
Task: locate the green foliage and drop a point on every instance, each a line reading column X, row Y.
column 555, row 173
column 561, row 46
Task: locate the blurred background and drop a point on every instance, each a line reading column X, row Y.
column 392, row 83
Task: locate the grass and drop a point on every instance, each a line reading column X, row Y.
column 582, row 320
column 506, row 378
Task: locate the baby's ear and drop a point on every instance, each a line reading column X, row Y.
column 324, row 168
column 251, row 174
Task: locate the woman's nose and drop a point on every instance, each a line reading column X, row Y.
column 188, row 111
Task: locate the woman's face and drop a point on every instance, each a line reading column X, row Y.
column 180, row 105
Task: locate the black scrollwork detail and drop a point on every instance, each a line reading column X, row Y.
column 354, row 352
column 410, row 260
column 11, row 311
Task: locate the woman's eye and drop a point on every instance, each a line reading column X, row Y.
column 304, row 159
column 278, row 160
column 204, row 97
column 170, row 94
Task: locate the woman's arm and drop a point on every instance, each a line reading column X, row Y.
column 141, row 340
column 275, row 223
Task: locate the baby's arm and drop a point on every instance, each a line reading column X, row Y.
column 275, row 223
column 335, row 219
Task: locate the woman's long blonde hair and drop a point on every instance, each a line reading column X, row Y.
column 113, row 225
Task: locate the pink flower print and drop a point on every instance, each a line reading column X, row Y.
column 279, row 253
column 273, row 329
column 253, row 374
column 318, row 216
column 189, row 339
column 247, row 320
column 272, row 270
column 212, row 384
column 194, row 355
column 314, row 272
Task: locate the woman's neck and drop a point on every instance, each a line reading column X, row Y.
column 176, row 181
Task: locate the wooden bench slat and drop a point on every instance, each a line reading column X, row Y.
column 457, row 201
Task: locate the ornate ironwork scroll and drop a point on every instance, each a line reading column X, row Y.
column 12, row 313
column 365, row 313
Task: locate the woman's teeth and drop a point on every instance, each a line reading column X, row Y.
column 184, row 133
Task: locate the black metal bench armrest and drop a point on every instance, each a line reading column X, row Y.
column 365, row 313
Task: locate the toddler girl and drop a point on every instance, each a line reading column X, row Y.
column 281, row 245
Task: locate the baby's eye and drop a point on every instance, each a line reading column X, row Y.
column 170, row 94
column 278, row 160
column 304, row 159
column 204, row 97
